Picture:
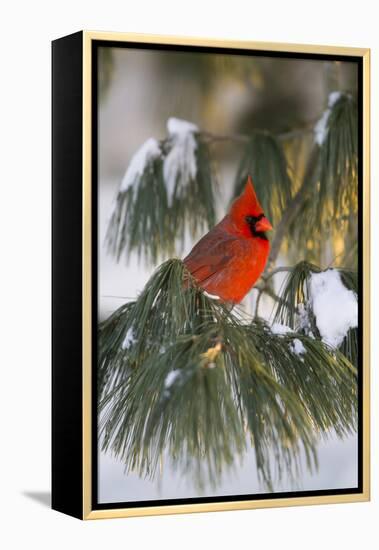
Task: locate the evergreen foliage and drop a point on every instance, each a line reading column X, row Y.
column 181, row 374
column 339, row 161
column 330, row 197
column 156, row 229
column 147, row 221
column 137, row 219
column 295, row 307
column 264, row 159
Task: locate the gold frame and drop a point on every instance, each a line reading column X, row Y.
column 364, row 53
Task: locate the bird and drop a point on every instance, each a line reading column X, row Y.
column 229, row 259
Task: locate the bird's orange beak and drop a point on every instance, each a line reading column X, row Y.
column 263, row 225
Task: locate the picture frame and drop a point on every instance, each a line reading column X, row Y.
column 75, row 274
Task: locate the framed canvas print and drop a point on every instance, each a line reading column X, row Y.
column 210, row 275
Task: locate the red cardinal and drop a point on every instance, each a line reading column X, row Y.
column 229, row 259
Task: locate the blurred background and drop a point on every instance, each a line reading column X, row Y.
column 224, row 95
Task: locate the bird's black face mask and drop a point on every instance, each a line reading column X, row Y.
column 252, row 221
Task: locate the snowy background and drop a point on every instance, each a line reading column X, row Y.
column 136, row 106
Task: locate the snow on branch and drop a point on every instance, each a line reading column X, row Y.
column 322, row 305
column 334, row 306
column 322, row 125
column 279, row 329
column 141, row 161
column 167, row 192
column 180, row 164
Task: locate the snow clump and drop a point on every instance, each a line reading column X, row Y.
column 140, row 161
column 180, row 166
column 335, row 307
column 321, row 127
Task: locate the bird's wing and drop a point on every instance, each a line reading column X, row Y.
column 212, row 254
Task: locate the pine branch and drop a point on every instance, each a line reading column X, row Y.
column 156, row 206
column 339, row 158
column 295, row 307
column 330, row 204
column 264, row 287
column 267, row 275
column 264, row 160
column 185, row 202
column 182, row 374
column 293, row 207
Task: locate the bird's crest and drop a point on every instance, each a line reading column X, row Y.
column 246, row 204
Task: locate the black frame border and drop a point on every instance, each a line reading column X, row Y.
column 67, row 253
column 95, row 45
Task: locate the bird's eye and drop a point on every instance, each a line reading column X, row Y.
column 249, row 219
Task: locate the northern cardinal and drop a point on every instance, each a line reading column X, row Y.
column 229, row 259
